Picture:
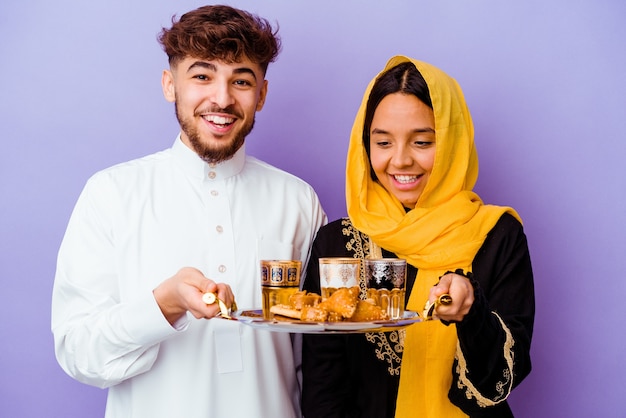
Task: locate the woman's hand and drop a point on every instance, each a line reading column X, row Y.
column 462, row 293
column 183, row 292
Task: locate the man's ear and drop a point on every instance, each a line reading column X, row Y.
column 167, row 83
column 262, row 96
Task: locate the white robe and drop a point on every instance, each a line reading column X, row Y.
column 135, row 225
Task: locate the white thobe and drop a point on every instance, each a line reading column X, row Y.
column 135, row 225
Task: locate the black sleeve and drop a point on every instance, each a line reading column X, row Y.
column 325, row 369
column 496, row 334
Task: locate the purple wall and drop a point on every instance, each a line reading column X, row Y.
column 80, row 90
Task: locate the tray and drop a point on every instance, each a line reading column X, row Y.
column 254, row 318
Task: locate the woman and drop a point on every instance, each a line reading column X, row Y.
column 411, row 168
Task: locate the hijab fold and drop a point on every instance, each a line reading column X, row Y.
column 443, row 232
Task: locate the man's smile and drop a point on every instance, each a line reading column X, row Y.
column 218, row 120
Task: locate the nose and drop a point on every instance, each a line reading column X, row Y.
column 222, row 95
column 401, row 157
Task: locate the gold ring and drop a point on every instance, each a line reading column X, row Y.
column 210, row 298
column 429, row 307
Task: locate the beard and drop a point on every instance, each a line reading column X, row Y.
column 213, row 153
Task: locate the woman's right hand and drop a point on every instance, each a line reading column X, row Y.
column 460, row 290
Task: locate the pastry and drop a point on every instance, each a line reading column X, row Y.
column 366, row 311
column 343, row 301
column 285, row 310
column 302, row 298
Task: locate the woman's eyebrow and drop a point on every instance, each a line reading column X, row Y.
column 416, row 131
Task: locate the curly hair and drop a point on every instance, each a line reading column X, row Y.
column 221, row 33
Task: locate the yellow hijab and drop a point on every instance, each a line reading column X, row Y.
column 443, row 232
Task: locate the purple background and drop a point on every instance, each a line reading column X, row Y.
column 545, row 81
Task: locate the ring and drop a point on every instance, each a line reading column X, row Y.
column 210, row 298
column 429, row 307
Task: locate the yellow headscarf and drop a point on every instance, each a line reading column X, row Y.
column 443, row 232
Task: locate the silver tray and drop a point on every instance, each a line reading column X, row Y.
column 254, row 318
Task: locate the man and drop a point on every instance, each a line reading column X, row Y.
column 149, row 237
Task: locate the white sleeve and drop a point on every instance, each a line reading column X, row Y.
column 100, row 339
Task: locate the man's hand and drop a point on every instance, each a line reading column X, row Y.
column 183, row 292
